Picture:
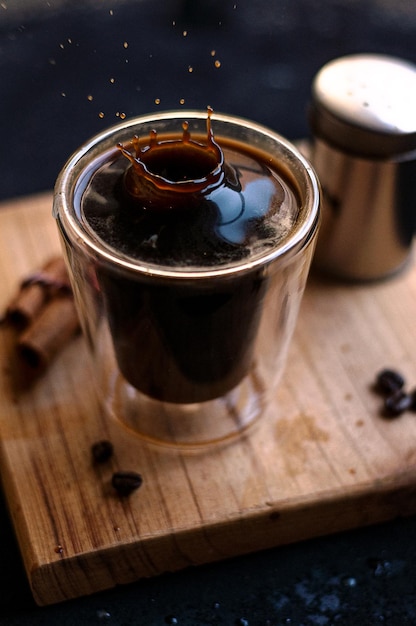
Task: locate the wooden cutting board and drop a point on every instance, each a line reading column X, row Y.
column 320, row 461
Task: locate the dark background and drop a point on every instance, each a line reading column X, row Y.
column 56, row 53
column 53, row 56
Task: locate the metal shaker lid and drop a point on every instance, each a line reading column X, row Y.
column 365, row 104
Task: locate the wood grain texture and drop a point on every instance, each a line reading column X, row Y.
column 321, row 460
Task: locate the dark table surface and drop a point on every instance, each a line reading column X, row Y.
column 67, row 71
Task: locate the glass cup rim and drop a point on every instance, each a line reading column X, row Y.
column 71, row 225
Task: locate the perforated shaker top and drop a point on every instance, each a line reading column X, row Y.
column 366, row 104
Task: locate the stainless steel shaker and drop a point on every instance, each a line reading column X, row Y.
column 363, row 119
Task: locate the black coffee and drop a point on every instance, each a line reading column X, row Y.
column 185, row 206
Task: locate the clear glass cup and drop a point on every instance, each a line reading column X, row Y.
column 187, row 356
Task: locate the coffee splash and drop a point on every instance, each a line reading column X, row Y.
column 173, row 173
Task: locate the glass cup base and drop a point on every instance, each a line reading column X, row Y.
column 186, row 425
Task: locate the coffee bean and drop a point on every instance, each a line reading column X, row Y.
column 389, row 381
column 397, row 403
column 125, row 482
column 412, row 395
column 102, row 451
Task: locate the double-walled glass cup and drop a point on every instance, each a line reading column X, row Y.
column 188, row 355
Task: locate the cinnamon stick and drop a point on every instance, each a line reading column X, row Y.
column 36, row 289
column 26, row 304
column 48, row 333
column 43, row 311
